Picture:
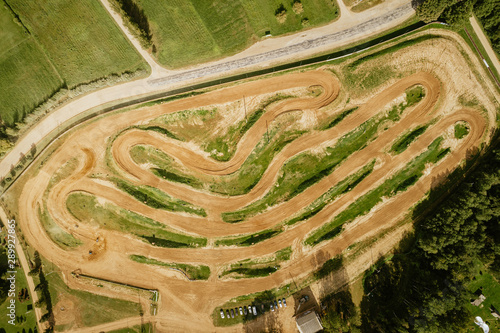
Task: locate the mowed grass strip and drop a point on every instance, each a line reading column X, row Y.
column 407, row 138
column 26, row 75
column 399, row 182
column 155, row 198
column 250, row 239
column 87, row 209
column 461, row 130
column 79, row 37
column 193, row 272
column 192, row 31
column 251, row 268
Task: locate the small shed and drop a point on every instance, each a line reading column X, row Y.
column 308, row 322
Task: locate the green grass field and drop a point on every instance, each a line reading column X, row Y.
column 158, row 199
column 461, row 130
column 24, row 309
column 80, row 38
column 264, row 266
column 486, row 284
column 188, row 32
column 59, row 44
column 21, row 57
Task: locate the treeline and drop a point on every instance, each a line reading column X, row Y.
column 44, row 298
column 422, row 289
column 457, row 13
column 137, row 17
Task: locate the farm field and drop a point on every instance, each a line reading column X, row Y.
column 20, row 90
column 189, row 32
column 226, row 197
column 57, row 45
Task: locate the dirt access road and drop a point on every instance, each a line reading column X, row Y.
column 187, row 305
column 348, row 29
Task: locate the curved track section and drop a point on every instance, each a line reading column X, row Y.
column 185, row 300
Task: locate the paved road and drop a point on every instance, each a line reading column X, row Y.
column 316, row 40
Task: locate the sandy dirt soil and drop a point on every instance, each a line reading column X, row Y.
column 187, row 305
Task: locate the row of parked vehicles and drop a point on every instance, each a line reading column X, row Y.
column 252, row 309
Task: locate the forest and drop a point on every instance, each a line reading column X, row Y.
column 457, row 13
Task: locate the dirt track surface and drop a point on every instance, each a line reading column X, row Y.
column 187, row 305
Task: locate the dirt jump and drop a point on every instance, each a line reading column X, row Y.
column 103, row 147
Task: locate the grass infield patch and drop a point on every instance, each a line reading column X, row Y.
column 85, row 208
column 191, row 271
column 461, row 130
column 400, row 181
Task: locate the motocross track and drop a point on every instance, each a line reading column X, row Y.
column 187, row 305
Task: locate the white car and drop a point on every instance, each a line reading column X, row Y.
column 272, row 307
column 284, row 302
column 279, row 303
column 254, row 310
column 222, row 313
column 241, row 311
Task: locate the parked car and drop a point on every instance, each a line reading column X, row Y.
column 262, row 308
column 279, row 303
column 276, row 304
column 254, row 310
column 227, row 314
column 232, row 313
column 222, row 313
column 284, row 302
column 245, row 310
column 272, row 307
column 236, row 312
column 241, row 311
